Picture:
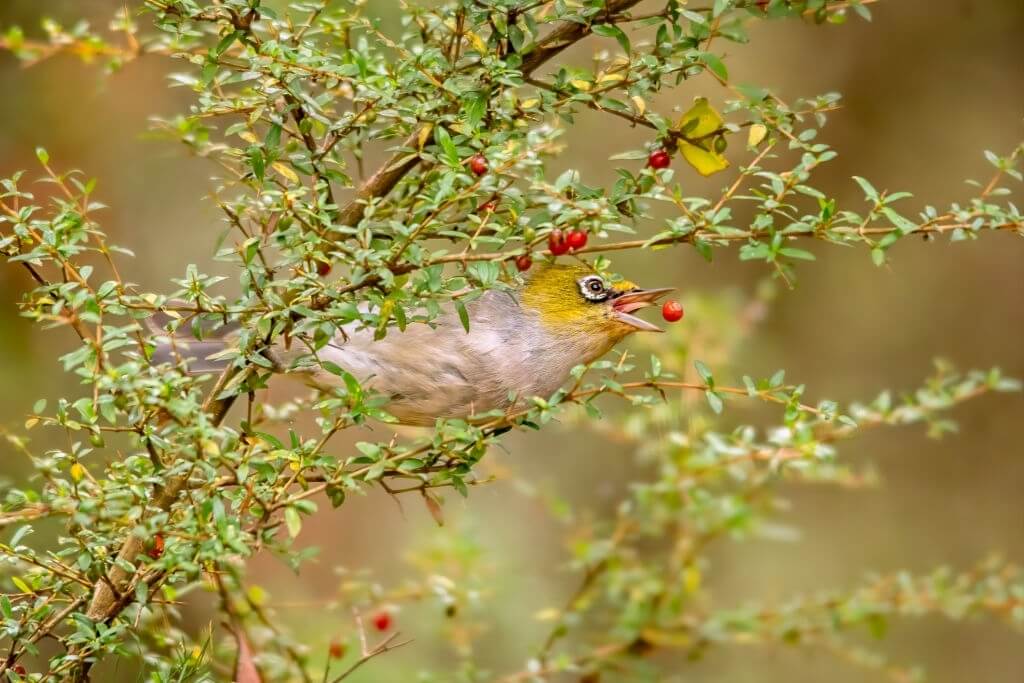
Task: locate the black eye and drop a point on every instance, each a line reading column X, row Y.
column 593, row 289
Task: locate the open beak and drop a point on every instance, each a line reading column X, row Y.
column 624, row 304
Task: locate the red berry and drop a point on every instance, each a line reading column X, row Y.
column 672, row 311
column 576, row 239
column 488, row 207
column 557, row 243
column 659, row 159
column 523, row 262
column 336, row 649
column 323, row 268
column 157, row 549
column 478, row 164
column 382, row 621
column 19, row 669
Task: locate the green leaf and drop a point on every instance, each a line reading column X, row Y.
column 869, row 190
column 714, row 400
column 793, row 252
column 715, row 64
column 704, row 372
column 613, row 31
column 223, row 45
column 463, row 314
column 293, row 521
column 474, row 107
column 444, row 140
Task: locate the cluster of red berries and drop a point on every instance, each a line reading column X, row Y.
column 563, row 242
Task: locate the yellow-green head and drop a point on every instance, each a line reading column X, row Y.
column 575, row 299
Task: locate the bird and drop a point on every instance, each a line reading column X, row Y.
column 519, row 344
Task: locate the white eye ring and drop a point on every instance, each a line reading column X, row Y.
column 593, row 288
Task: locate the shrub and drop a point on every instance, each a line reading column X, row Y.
column 163, row 487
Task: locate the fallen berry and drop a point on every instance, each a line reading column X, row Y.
column 672, row 311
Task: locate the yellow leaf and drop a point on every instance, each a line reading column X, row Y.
column 610, row 78
column 691, row 579
column 530, row 103
column 547, row 614
column 757, row 133
column 478, row 44
column 286, row 171
column 257, row 595
column 701, row 120
column 22, row 586
column 31, row 422
column 249, row 137
column 665, row 638
column 704, row 161
column 425, row 133
column 77, row 472
column 580, row 84
column 639, row 103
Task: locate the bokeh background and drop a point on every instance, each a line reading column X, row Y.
column 927, row 86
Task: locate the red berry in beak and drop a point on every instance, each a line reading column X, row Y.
column 672, row 311
column 576, row 239
column 659, row 159
column 478, row 164
column 523, row 262
column 382, row 621
column 557, row 243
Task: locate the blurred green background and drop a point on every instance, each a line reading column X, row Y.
column 927, row 87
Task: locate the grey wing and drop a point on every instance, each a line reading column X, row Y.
column 430, row 371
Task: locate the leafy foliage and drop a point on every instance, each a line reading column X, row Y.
column 161, row 489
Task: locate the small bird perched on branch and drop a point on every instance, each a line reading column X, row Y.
column 519, row 344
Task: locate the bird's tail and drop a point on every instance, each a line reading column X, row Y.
column 202, row 348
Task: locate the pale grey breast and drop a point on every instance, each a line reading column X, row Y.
column 441, row 370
